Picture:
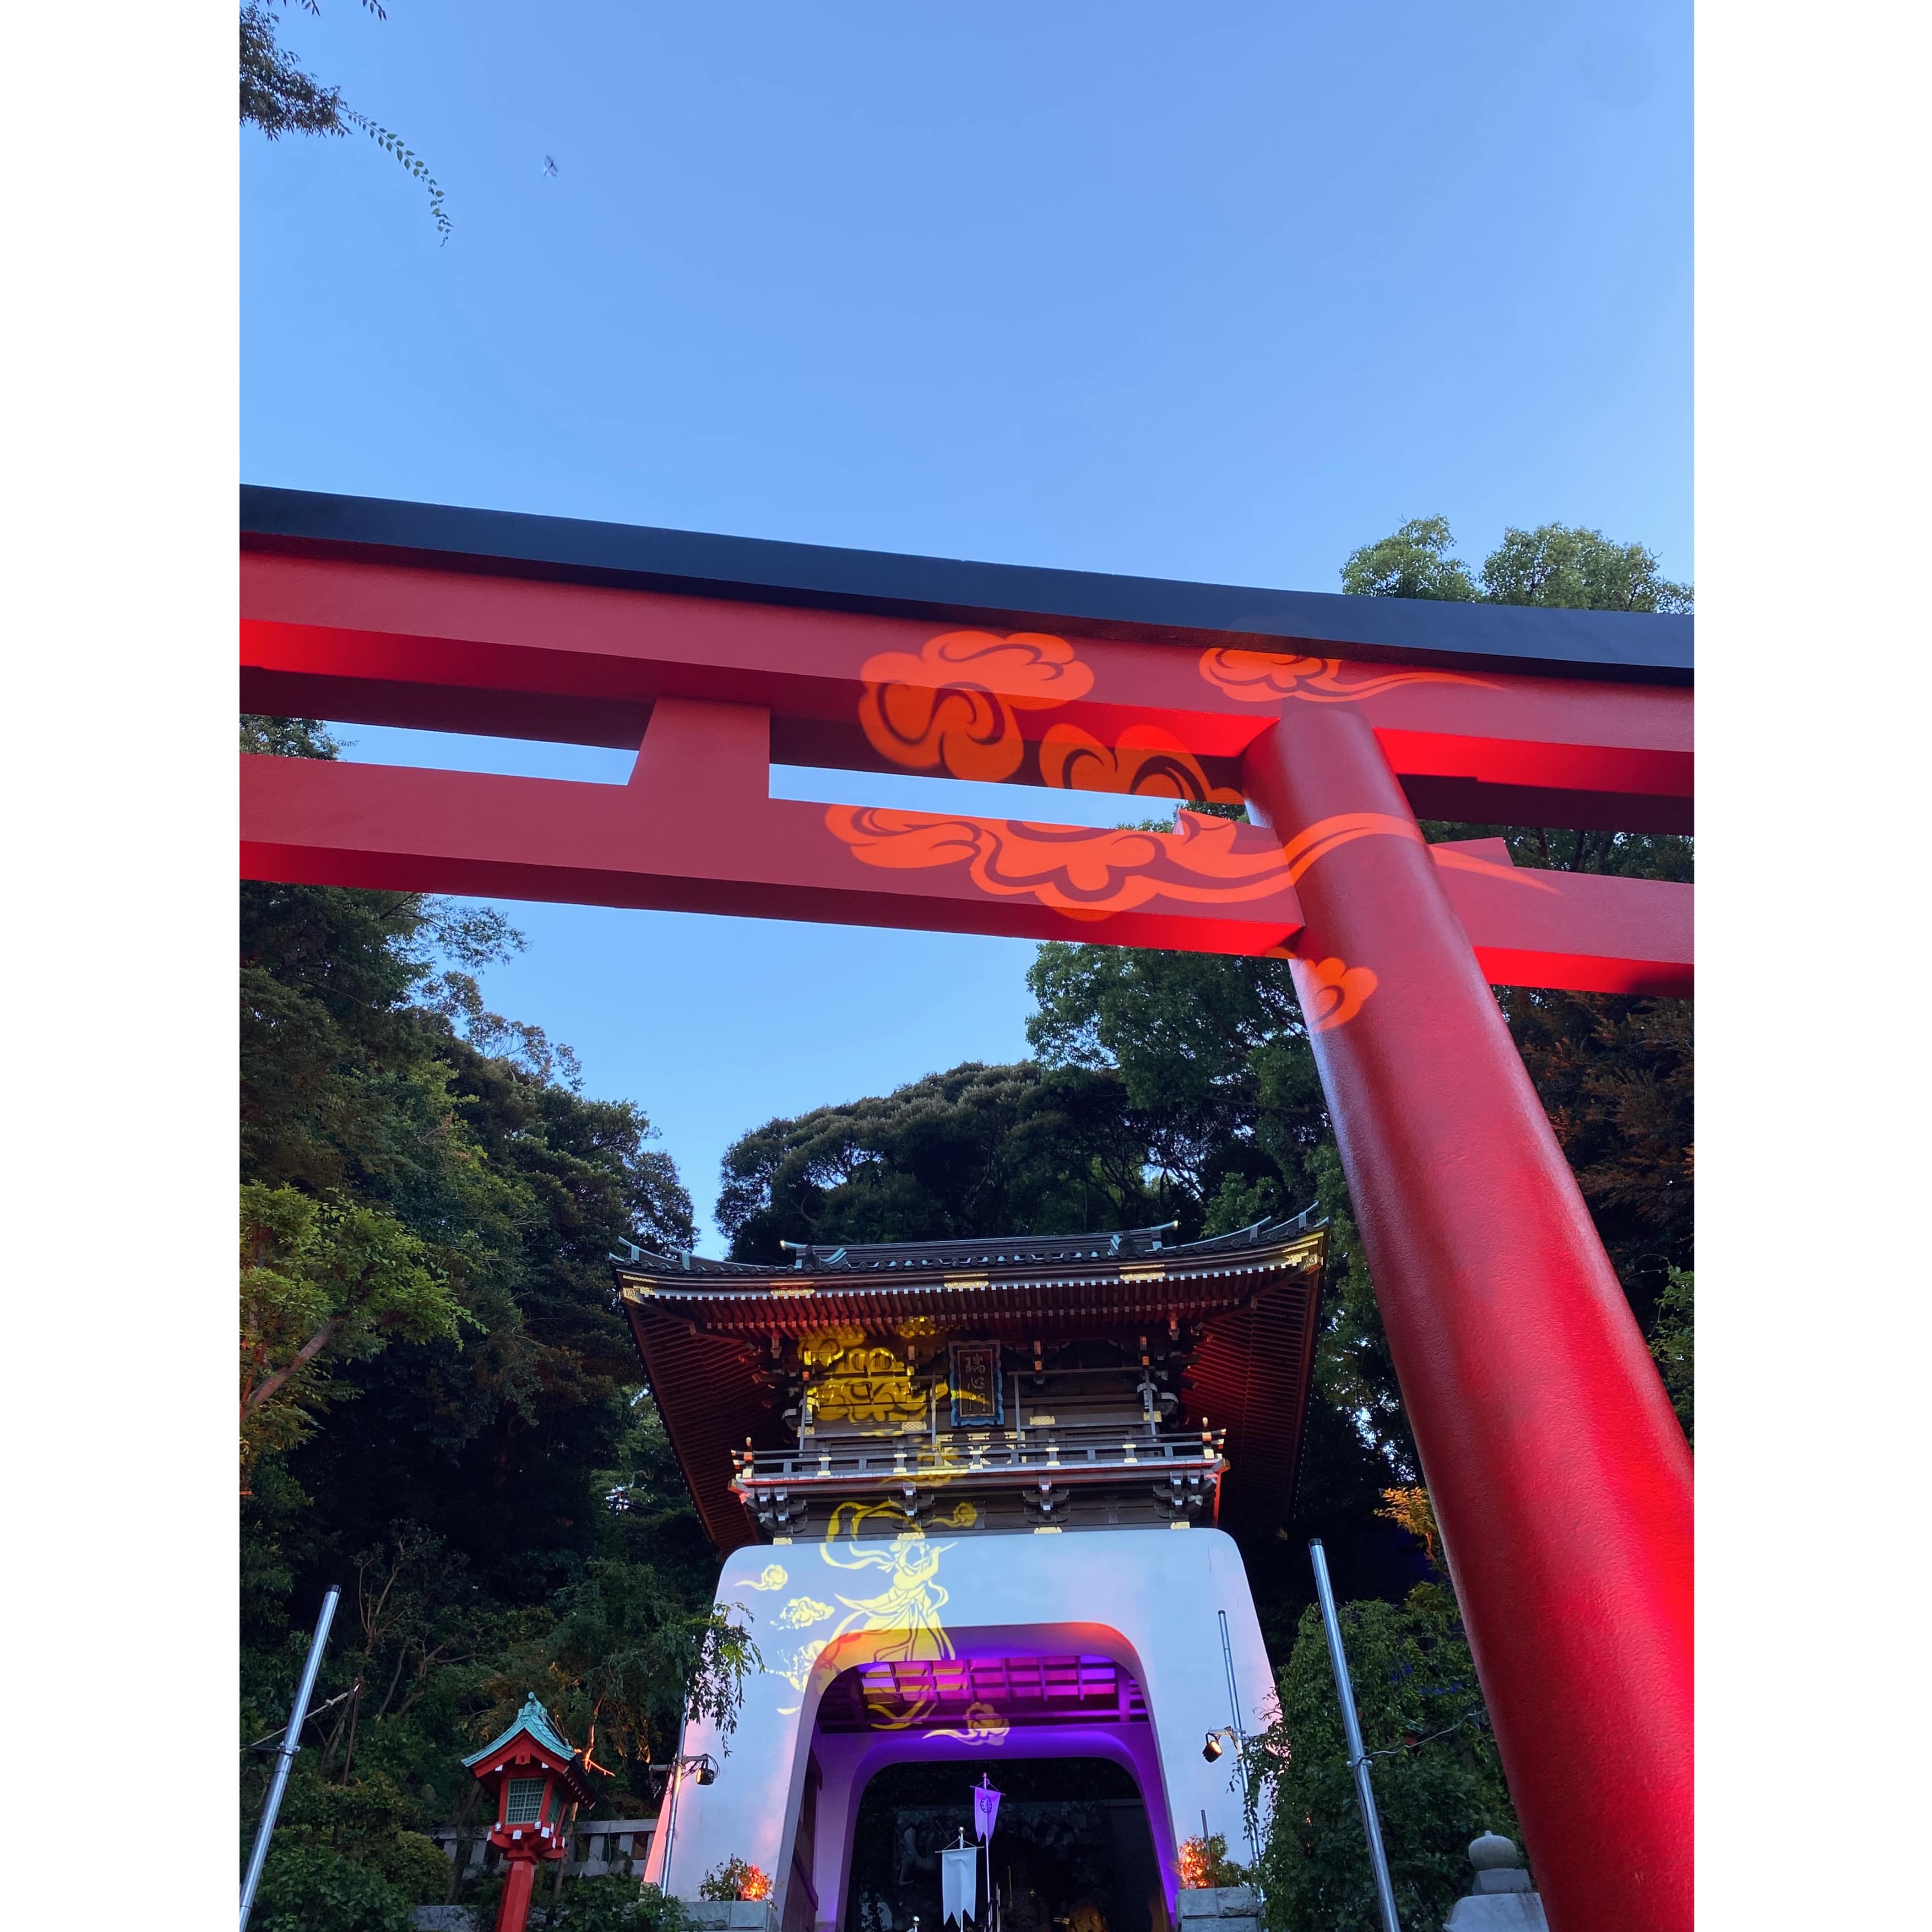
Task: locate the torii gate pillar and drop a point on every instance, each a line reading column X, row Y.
column 1560, row 1476
column 1562, row 1479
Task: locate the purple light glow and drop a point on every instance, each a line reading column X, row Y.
column 982, row 1690
column 994, row 1704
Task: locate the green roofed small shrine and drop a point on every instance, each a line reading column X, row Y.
column 533, row 1722
column 537, row 1780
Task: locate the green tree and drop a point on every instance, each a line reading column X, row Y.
column 1577, row 569
column 1614, row 1074
column 1414, row 562
column 618, row 1905
column 279, row 97
column 426, row 1189
column 1439, row 1780
column 1671, row 1345
column 1557, row 565
column 978, row 1148
column 344, row 1859
column 323, row 1282
column 628, row 1660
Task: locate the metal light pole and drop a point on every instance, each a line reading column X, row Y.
column 706, row 1766
column 1358, row 1759
column 1241, row 1745
column 285, row 1752
column 675, row 1777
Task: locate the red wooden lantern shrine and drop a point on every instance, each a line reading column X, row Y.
column 537, row 1782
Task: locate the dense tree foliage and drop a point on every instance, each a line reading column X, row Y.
column 1018, row 1149
column 1438, row 1780
column 1673, row 1345
column 1554, row 565
column 437, row 1391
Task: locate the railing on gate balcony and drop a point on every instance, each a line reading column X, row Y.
column 1181, row 1470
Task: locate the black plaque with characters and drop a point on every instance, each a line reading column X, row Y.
column 977, row 1402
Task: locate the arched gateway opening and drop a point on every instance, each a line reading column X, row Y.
column 1073, row 1848
column 1064, row 1736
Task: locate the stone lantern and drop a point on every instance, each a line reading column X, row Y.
column 538, row 1781
column 1502, row 1900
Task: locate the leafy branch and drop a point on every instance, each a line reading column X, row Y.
column 413, row 163
column 280, row 98
column 318, row 1277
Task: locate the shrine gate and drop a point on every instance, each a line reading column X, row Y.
column 1560, row 1479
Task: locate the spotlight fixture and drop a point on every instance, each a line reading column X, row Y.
column 1211, row 1749
column 707, row 1772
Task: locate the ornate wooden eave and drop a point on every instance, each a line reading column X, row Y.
column 1235, row 1315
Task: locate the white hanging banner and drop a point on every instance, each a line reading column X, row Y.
column 959, row 1884
column 985, row 1809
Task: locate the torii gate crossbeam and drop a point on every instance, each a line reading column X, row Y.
column 1559, row 1474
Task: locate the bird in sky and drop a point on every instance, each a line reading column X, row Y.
column 549, row 166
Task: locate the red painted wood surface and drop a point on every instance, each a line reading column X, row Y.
column 513, row 1909
column 1560, row 1476
column 696, row 831
column 381, row 643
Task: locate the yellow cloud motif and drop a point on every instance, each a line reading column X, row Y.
column 795, row 1668
column 800, row 1612
column 771, row 1577
column 984, row 1726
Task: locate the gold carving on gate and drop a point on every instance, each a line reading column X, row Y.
column 903, row 1622
column 820, row 1348
column 854, row 1380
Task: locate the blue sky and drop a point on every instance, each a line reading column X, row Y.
column 1215, row 292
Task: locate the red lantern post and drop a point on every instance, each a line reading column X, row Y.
column 535, row 1778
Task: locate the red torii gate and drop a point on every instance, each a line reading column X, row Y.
column 1559, row 1474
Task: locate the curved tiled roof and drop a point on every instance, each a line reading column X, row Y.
column 535, row 1721
column 1027, row 1251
